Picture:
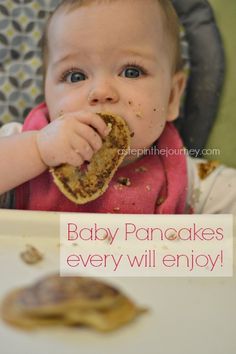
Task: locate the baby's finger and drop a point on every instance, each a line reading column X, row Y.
column 75, row 159
column 89, row 135
column 82, row 147
column 95, row 121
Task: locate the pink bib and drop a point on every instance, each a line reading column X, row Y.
column 156, row 183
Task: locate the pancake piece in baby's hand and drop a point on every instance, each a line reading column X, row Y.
column 70, row 301
column 84, row 185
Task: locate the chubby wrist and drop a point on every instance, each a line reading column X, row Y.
column 38, row 150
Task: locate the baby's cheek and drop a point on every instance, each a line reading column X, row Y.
column 156, row 126
column 63, row 103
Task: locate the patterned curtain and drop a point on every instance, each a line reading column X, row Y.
column 21, row 23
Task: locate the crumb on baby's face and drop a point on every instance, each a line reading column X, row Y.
column 113, row 57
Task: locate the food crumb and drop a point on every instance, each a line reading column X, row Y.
column 160, row 201
column 141, row 169
column 206, row 168
column 31, row 255
column 139, row 115
column 195, row 197
column 109, row 239
column 124, row 181
column 116, row 209
column 173, row 237
column 118, row 187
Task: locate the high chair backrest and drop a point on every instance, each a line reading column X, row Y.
column 207, row 71
column 21, row 24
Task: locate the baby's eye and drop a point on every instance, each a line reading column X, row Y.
column 74, row 76
column 132, row 72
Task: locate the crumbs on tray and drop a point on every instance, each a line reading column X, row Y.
column 31, row 255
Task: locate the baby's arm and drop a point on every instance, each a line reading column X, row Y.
column 71, row 139
column 19, row 160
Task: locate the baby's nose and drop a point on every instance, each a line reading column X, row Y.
column 102, row 95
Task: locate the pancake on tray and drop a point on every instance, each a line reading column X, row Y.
column 70, row 301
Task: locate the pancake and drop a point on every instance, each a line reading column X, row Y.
column 70, row 301
column 82, row 185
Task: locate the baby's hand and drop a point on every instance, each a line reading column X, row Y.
column 71, row 139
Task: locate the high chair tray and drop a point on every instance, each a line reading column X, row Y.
column 186, row 315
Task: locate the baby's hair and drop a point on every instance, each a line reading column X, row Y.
column 171, row 25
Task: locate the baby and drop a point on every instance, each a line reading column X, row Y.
column 121, row 57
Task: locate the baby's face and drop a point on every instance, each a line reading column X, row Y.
column 113, row 57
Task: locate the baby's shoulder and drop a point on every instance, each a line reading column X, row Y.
column 211, row 187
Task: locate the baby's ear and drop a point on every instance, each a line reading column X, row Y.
column 177, row 89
